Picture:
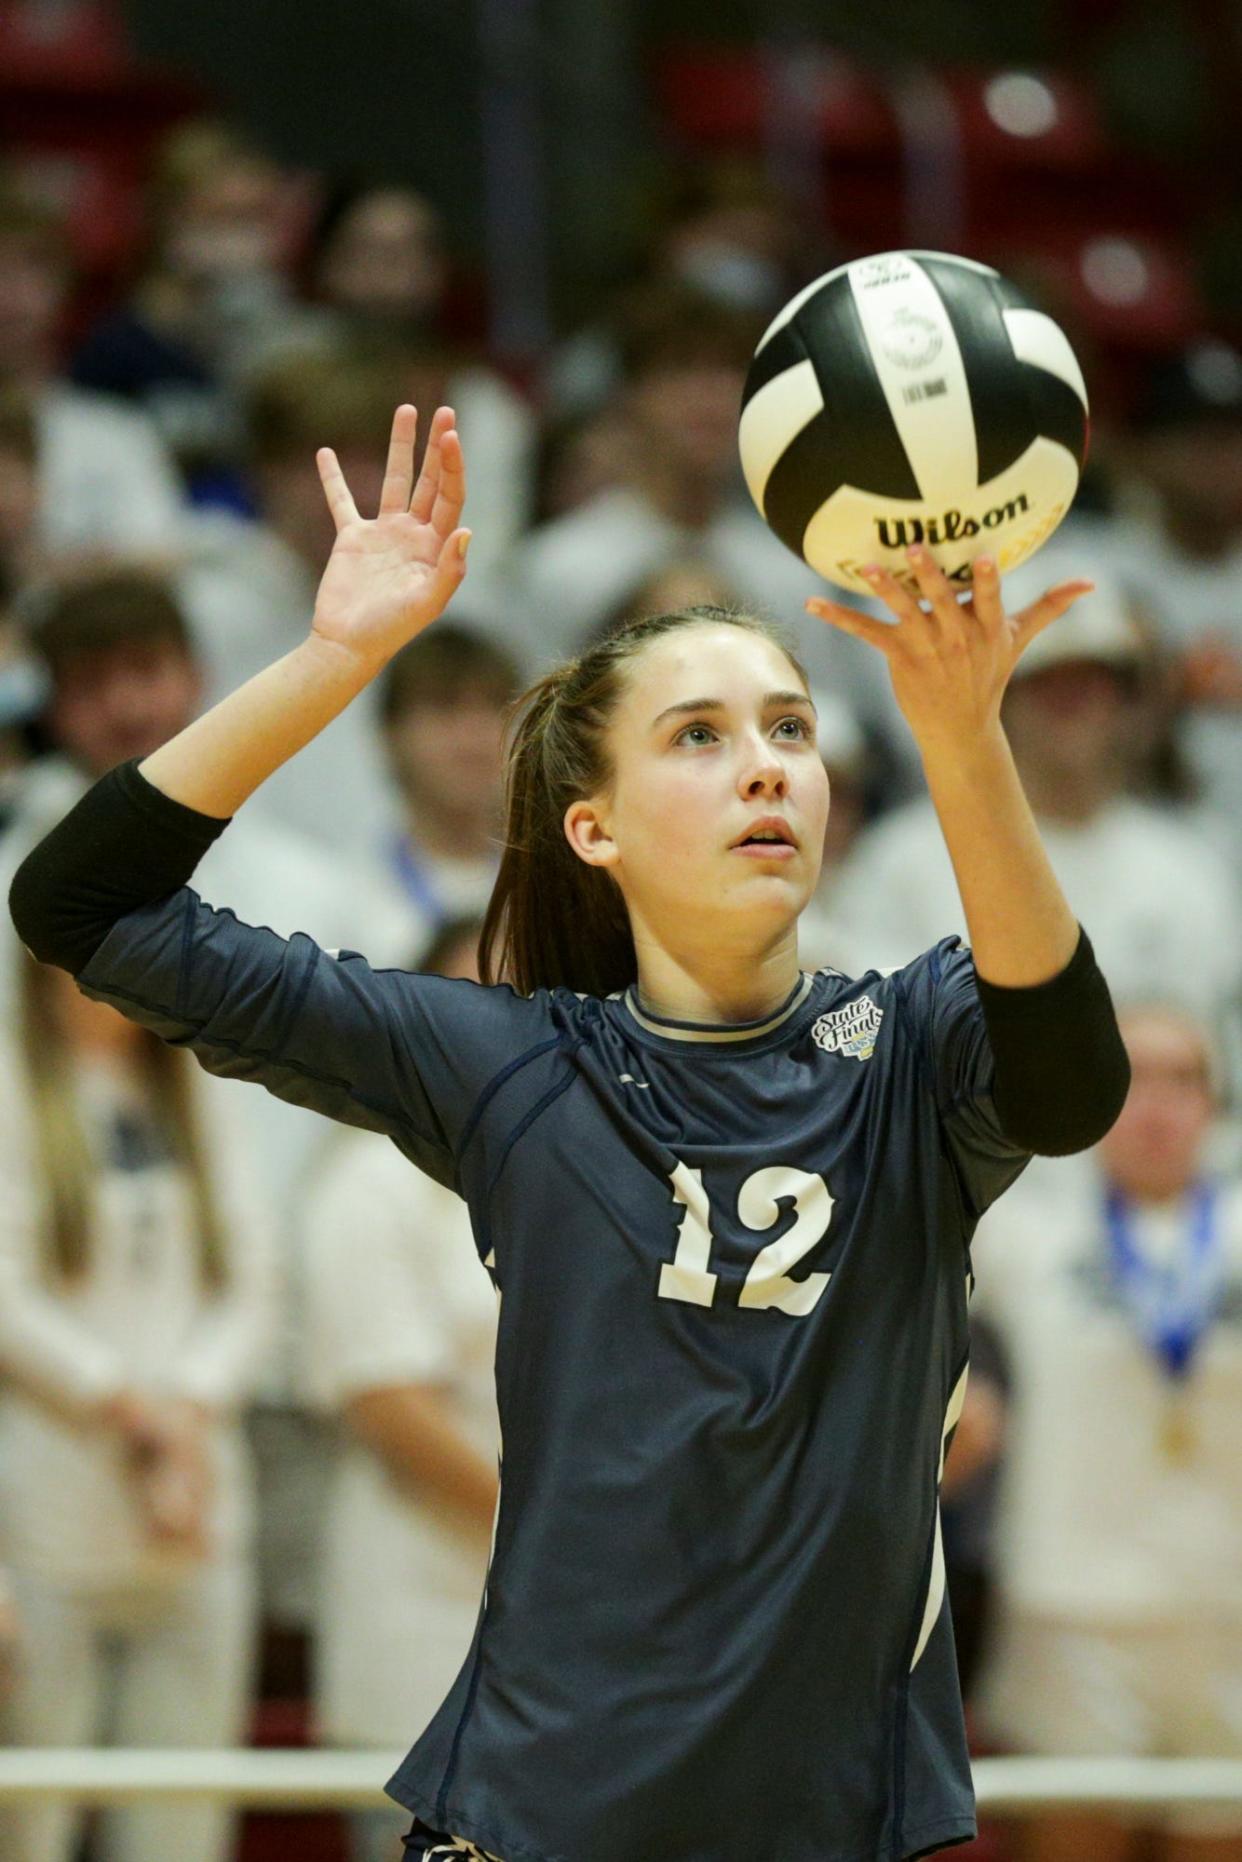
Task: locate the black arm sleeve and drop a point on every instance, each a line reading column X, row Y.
column 1061, row 1069
column 123, row 845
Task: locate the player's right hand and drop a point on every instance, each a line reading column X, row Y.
column 390, row 575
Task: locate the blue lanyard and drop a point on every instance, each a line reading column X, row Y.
column 416, row 881
column 1172, row 1304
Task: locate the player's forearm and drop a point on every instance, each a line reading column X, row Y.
column 224, row 756
column 1022, row 931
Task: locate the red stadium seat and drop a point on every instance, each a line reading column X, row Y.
column 99, row 197
column 1018, row 119
column 722, row 96
column 1131, row 291
column 60, row 42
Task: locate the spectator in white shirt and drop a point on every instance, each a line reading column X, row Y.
column 1119, row 1553
column 399, row 1344
column 136, row 1307
column 723, row 226
column 381, row 276
column 442, row 705
column 105, row 479
column 10, row 1635
column 249, row 589
column 124, row 678
column 1159, row 900
column 685, row 360
column 1179, row 541
column 224, row 222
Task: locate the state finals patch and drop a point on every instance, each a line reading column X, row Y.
column 851, row 1030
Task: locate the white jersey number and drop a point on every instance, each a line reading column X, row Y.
column 688, row 1276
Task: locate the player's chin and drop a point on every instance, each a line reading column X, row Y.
column 768, row 887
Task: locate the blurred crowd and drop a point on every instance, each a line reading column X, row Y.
column 247, row 1432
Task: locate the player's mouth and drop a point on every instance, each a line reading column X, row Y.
column 769, row 838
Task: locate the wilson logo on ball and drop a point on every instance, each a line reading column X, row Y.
column 897, row 533
column 850, row 460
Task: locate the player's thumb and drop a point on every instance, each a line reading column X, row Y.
column 450, row 570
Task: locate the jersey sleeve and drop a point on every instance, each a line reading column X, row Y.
column 941, row 1007
column 390, row 1051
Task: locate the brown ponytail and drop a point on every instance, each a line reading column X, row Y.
column 553, row 920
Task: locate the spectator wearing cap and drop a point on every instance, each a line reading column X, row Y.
column 105, row 480
column 1180, row 544
column 1158, row 901
column 1118, row 1565
column 685, row 357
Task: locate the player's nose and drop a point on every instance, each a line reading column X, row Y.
column 765, row 775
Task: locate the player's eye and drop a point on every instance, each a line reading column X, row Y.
column 793, row 728
column 695, row 734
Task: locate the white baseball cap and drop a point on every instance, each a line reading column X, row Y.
column 1100, row 626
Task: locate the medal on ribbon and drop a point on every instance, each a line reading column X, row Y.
column 1171, row 1303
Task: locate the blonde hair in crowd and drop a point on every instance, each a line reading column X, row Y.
column 67, row 1165
column 553, row 921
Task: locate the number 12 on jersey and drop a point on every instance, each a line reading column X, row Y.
column 688, row 1275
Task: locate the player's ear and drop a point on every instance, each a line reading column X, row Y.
column 586, row 830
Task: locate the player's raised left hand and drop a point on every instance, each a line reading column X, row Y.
column 949, row 660
column 390, row 575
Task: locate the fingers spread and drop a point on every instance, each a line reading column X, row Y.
column 877, row 633
column 399, row 472
column 423, row 502
column 1049, row 608
column 336, row 491
column 901, row 604
column 450, row 568
column 935, row 587
column 451, row 490
column 985, row 602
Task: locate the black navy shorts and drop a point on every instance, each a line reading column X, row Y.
column 424, row 1845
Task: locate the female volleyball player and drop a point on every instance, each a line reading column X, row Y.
column 727, row 1205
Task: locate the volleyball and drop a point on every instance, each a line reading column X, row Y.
column 912, row 397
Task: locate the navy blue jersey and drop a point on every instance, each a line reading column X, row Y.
column 733, row 1267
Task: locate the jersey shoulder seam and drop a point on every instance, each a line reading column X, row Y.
column 488, row 1092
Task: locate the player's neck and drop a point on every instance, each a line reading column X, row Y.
column 710, row 985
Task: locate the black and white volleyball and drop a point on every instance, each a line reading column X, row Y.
column 912, row 397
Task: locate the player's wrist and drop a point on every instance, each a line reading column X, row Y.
column 962, row 754
column 339, row 664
